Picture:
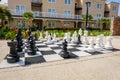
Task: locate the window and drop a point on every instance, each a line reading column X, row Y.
column 66, row 24
column 20, row 9
column 67, row 12
column 99, row 6
column 51, row 1
column 98, row 15
column 51, row 24
column 51, row 11
column 114, row 8
column 67, row 2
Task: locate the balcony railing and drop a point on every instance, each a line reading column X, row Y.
column 36, row 1
column 47, row 15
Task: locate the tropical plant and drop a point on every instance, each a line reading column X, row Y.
column 103, row 20
column 90, row 17
column 5, row 15
column 28, row 16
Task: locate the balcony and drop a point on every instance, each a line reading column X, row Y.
column 77, row 7
column 38, row 14
column 37, row 3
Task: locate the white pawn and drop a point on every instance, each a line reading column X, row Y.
column 54, row 38
column 46, row 35
column 49, row 39
column 109, row 44
column 85, row 41
column 101, row 41
column 91, row 46
column 75, row 35
column 80, row 32
column 98, row 46
column 68, row 37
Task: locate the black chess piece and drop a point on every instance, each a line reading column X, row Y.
column 13, row 56
column 79, row 40
column 31, row 47
column 19, row 40
column 64, row 53
column 51, row 35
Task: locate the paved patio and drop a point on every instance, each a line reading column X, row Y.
column 97, row 67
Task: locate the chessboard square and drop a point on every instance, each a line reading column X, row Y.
column 38, row 53
column 72, row 55
column 48, row 52
column 81, row 53
column 57, row 51
column 38, row 41
column 45, row 49
column 105, row 51
column 81, row 48
column 71, row 44
column 73, row 49
column 94, row 53
column 69, row 47
column 5, row 64
column 53, row 57
column 77, row 45
column 41, row 44
column 34, row 60
column 58, row 43
column 53, row 45
column 56, row 48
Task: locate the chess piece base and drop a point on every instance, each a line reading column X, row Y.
column 12, row 58
column 64, row 54
column 30, row 52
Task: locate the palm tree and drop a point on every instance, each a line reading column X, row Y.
column 28, row 16
column 103, row 20
column 90, row 17
column 5, row 15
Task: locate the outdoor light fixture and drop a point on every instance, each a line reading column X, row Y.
column 87, row 5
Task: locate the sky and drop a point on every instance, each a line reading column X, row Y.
column 5, row 1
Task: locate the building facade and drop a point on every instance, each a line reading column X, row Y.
column 60, row 13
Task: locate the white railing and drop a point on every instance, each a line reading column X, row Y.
column 36, row 1
column 55, row 15
column 46, row 15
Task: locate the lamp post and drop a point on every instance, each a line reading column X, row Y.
column 87, row 5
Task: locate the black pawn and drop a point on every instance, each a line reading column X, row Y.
column 12, row 57
column 32, row 48
column 64, row 53
column 79, row 40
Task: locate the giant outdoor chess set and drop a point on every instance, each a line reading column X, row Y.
column 50, row 48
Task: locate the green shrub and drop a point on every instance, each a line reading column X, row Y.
column 10, row 35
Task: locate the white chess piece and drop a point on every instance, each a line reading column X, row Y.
column 46, row 35
column 109, row 44
column 68, row 37
column 54, row 38
column 49, row 39
column 101, row 41
column 85, row 41
column 74, row 40
column 91, row 46
column 98, row 46
column 80, row 32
